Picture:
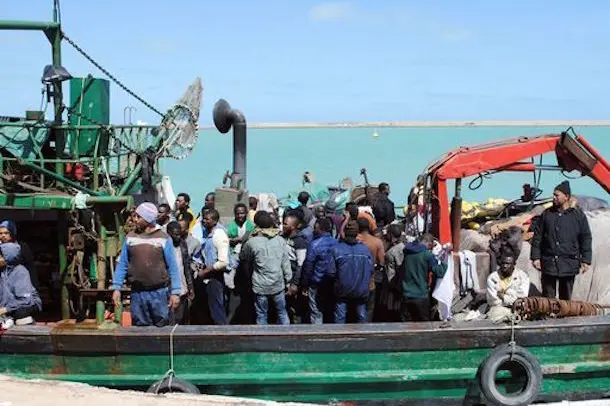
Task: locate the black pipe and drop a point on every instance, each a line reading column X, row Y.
column 226, row 117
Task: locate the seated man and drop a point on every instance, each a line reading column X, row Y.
column 19, row 300
column 506, row 285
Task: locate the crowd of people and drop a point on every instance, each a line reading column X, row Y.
column 319, row 266
column 305, row 265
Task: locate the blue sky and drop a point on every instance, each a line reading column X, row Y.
column 295, row 61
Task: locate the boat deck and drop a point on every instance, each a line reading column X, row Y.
column 69, row 337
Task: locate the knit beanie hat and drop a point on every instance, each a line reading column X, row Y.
column 10, row 226
column 148, row 212
column 564, row 187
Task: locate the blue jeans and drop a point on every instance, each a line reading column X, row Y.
column 315, row 307
column 150, row 307
column 343, row 305
column 261, row 305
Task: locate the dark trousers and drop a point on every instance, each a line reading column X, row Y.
column 416, row 310
column 370, row 305
column 549, row 286
column 214, row 298
column 23, row 312
column 233, row 302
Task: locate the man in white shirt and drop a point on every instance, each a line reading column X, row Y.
column 216, row 256
column 507, row 284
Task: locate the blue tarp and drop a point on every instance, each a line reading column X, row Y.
column 23, row 142
column 318, row 195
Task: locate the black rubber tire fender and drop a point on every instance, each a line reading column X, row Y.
column 490, row 366
column 175, row 385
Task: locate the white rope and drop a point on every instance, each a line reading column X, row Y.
column 170, row 372
column 514, row 319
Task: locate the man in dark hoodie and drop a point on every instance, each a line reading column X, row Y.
column 19, row 299
column 561, row 246
column 297, row 250
column 183, row 258
column 419, row 262
column 352, row 266
column 384, row 207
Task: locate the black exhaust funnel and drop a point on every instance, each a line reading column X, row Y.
column 226, row 117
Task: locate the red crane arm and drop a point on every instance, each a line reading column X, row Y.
column 573, row 153
column 468, row 161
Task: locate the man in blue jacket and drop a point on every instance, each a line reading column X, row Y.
column 149, row 254
column 316, row 278
column 352, row 265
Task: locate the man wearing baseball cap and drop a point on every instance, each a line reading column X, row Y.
column 561, row 246
column 149, row 253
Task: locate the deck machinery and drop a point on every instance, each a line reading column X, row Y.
column 70, row 182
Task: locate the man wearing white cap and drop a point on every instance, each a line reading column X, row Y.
column 150, row 253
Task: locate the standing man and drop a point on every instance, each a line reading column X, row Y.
column 183, row 203
column 375, row 245
column 351, row 264
column 316, row 280
column 303, row 198
column 419, row 263
column 561, row 246
column 215, row 251
column 297, row 251
column 187, row 292
column 253, row 205
column 238, row 231
column 149, row 254
column 240, row 228
column 210, row 201
column 165, row 216
column 384, row 207
column 266, row 255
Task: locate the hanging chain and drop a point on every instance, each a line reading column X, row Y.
column 114, row 79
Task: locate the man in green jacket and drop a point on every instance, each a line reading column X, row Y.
column 265, row 254
column 419, row 263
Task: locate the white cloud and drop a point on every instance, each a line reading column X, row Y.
column 161, row 46
column 456, row 35
column 331, row 11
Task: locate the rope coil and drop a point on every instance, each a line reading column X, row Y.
column 531, row 308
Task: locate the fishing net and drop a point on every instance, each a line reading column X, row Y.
column 180, row 128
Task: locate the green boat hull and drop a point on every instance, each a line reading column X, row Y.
column 385, row 362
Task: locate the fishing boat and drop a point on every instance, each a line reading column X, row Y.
column 69, row 183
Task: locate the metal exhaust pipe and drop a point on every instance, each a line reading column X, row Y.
column 226, row 117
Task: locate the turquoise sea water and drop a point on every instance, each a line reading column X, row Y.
column 277, row 159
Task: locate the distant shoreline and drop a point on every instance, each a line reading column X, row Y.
column 386, row 124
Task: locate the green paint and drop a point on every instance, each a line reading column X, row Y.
column 90, row 97
column 317, row 376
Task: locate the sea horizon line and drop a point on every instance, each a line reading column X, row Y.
column 431, row 123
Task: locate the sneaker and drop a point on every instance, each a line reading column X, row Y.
column 25, row 321
column 7, row 322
